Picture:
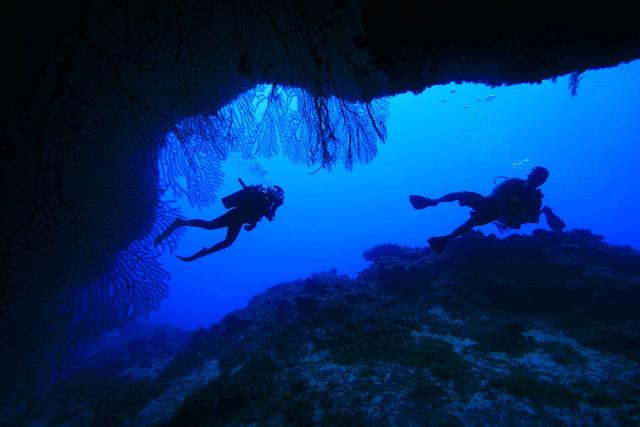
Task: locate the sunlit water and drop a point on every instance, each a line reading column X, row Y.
column 449, row 138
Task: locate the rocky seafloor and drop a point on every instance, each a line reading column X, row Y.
column 526, row 330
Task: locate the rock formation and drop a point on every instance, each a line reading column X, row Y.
column 526, row 330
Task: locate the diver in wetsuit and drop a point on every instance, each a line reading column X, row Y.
column 246, row 206
column 512, row 203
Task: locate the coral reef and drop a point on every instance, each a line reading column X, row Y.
column 526, row 330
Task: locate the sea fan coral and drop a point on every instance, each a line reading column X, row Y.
column 314, row 130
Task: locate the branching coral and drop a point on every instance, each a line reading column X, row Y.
column 133, row 287
column 328, row 130
column 308, row 129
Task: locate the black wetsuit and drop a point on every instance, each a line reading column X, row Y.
column 512, row 203
column 517, row 203
column 509, row 205
column 246, row 206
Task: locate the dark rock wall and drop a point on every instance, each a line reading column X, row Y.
column 495, row 43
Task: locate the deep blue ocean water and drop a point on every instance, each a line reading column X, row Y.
column 449, row 138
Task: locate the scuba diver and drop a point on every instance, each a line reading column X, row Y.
column 246, row 206
column 511, row 203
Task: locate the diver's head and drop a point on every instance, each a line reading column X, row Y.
column 537, row 176
column 276, row 194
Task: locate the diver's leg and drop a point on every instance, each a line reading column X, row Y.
column 438, row 244
column 232, row 234
column 464, row 198
column 174, row 225
column 464, row 228
column 222, row 221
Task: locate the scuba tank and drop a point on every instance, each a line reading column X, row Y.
column 239, row 198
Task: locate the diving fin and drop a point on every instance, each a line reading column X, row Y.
column 419, row 202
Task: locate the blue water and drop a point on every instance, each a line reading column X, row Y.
column 449, row 138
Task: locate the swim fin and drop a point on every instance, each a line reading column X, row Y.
column 419, row 202
column 199, row 254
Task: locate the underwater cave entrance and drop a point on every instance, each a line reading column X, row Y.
column 449, row 138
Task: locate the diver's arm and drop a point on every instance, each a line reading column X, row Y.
column 252, row 221
column 271, row 213
column 553, row 221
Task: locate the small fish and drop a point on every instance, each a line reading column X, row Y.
column 465, row 106
column 452, row 91
column 478, row 99
column 489, row 97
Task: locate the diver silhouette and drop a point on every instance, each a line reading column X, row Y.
column 246, row 206
column 511, row 203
